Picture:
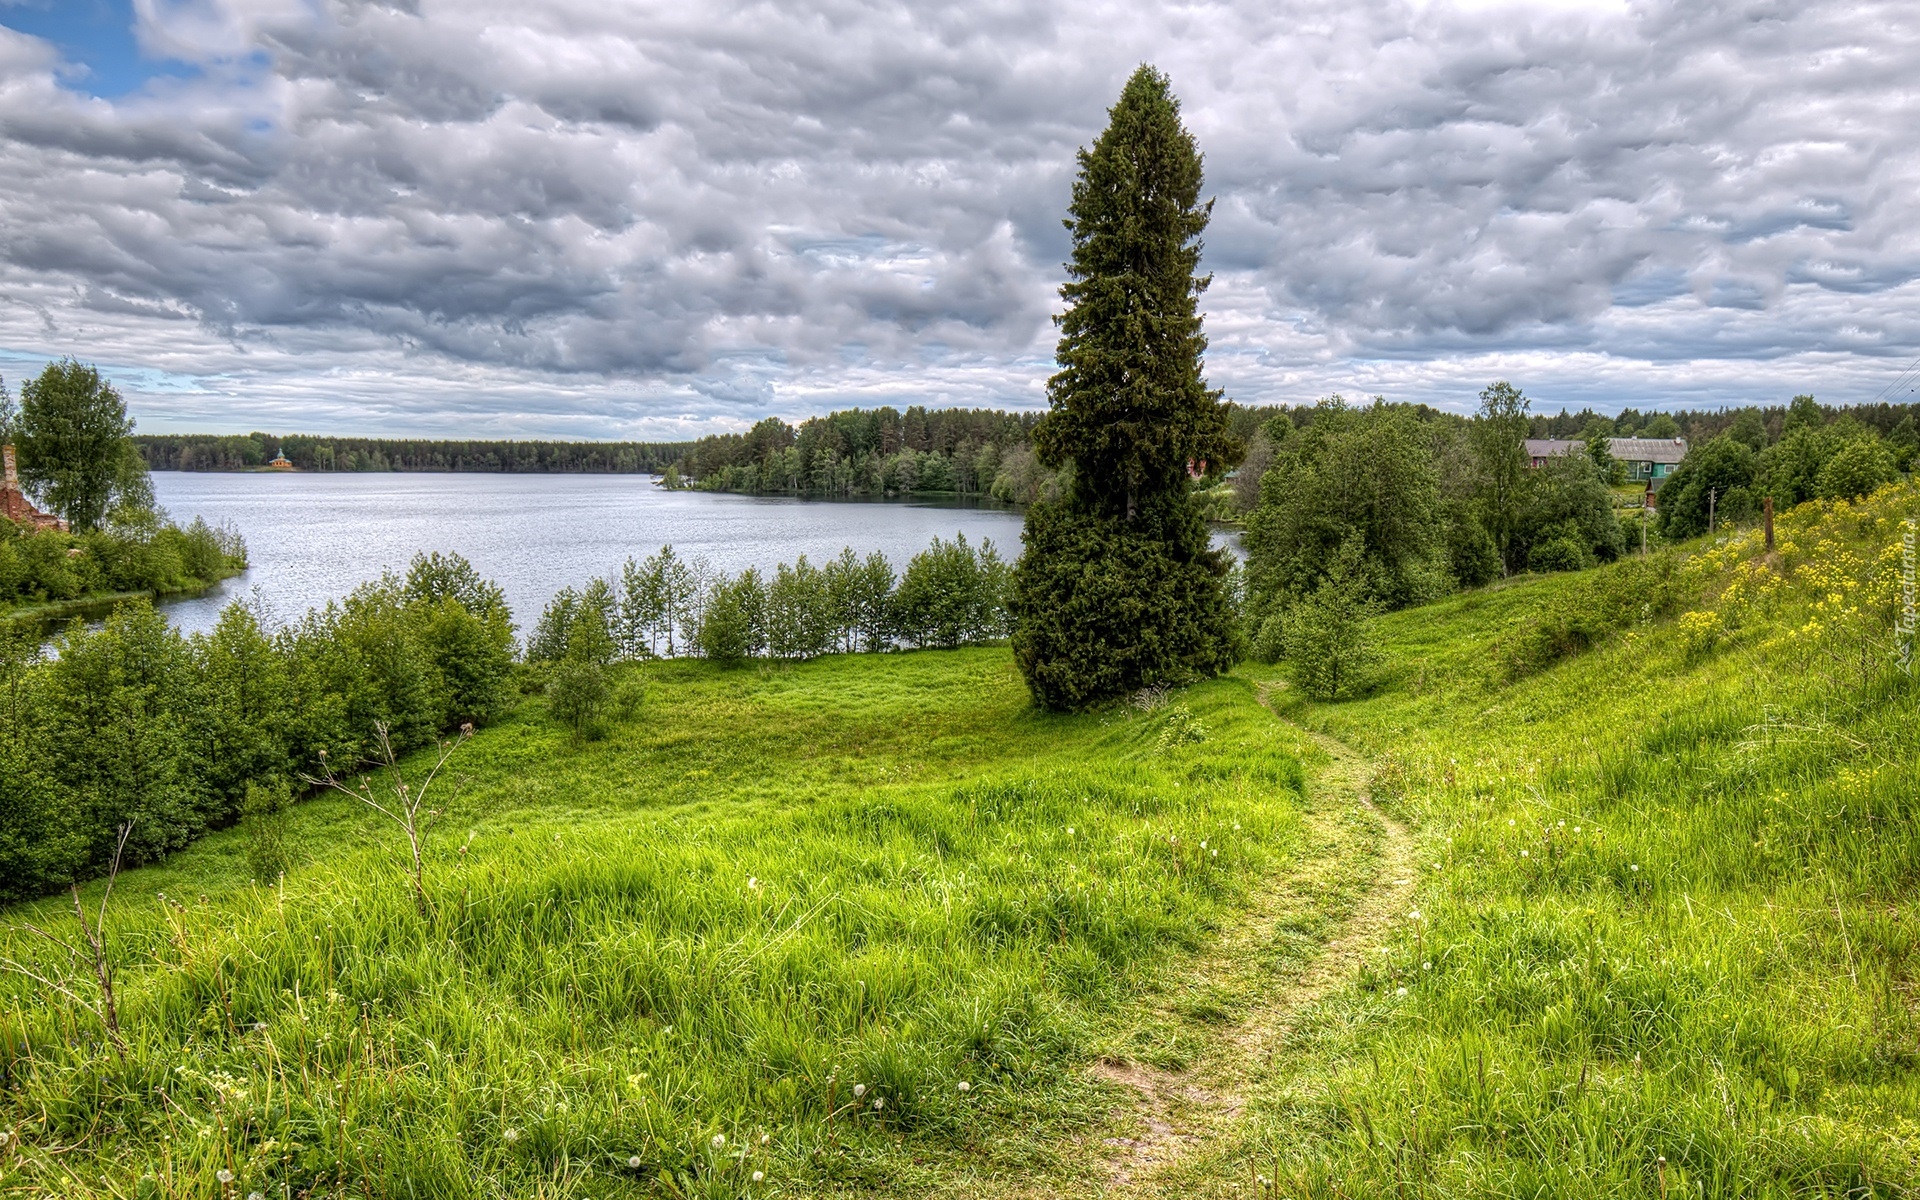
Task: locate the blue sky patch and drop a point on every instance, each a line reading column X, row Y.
column 97, row 35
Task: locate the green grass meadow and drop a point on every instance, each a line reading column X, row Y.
column 771, row 926
column 1660, row 940
column 1666, row 940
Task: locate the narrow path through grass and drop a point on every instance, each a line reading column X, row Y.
column 1211, row 1037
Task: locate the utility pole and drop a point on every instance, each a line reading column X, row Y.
column 1766, row 506
column 1643, row 528
column 1713, row 493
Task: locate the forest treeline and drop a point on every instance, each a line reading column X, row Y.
column 249, row 451
column 885, row 452
column 869, row 452
column 874, row 452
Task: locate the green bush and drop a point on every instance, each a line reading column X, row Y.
column 1576, row 618
column 263, row 815
column 1327, row 634
column 1718, row 476
column 41, row 566
column 578, row 695
column 802, row 618
column 1855, row 470
column 1561, row 552
column 952, row 595
column 577, row 624
column 131, row 721
column 733, row 627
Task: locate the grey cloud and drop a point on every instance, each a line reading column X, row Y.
column 742, row 206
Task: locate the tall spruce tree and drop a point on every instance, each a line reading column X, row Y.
column 1118, row 588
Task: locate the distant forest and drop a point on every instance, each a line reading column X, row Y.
column 985, row 452
column 885, row 452
column 868, row 452
column 1699, row 426
column 242, row 452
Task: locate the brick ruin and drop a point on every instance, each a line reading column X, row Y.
column 15, row 506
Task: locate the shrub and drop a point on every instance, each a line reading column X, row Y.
column 1698, row 632
column 733, row 624
column 1365, row 473
column 577, row 624
column 1327, row 636
column 1576, row 617
column 1718, row 476
column 578, row 696
column 1181, row 728
column 1855, row 470
column 800, row 613
column 952, row 595
column 131, row 721
column 263, row 814
column 1560, row 553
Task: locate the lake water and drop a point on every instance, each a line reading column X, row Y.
column 313, row 537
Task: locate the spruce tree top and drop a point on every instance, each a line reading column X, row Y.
column 1129, row 408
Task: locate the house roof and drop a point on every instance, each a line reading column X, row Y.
column 1549, row 447
column 1653, row 450
column 1659, row 450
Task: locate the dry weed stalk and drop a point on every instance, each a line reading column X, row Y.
column 408, row 806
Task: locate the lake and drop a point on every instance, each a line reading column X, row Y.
column 313, row 537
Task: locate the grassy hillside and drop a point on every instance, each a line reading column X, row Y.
column 1652, row 935
column 1666, row 939
column 772, row 926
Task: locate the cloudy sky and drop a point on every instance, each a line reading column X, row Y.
column 628, row 218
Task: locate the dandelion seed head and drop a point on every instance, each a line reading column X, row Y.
column 223, row 1175
column 965, row 1087
column 511, row 1135
column 1634, row 867
column 859, row 1090
column 1524, row 854
column 634, row 1162
column 719, row 1140
column 1426, row 966
column 1069, row 831
column 879, row 1102
column 759, row 1176
column 765, row 1138
column 1400, row 991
